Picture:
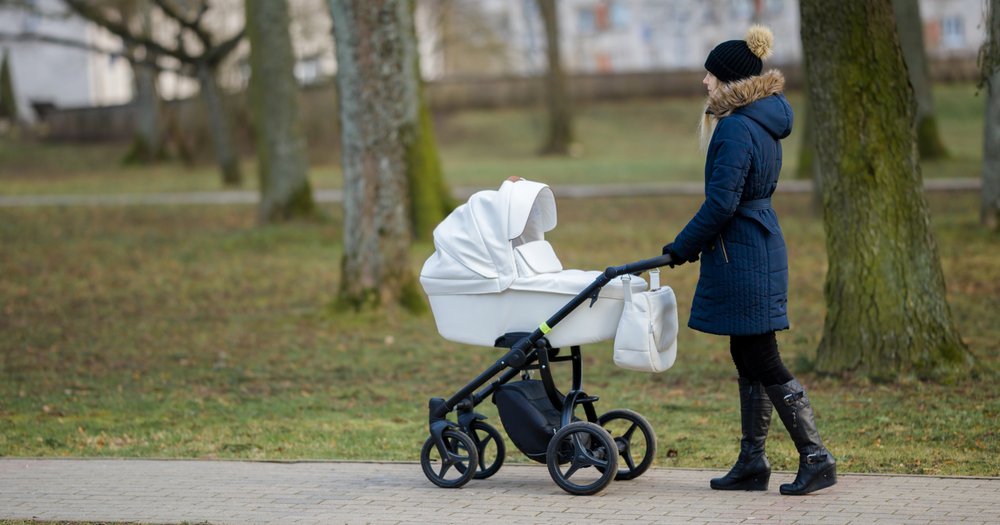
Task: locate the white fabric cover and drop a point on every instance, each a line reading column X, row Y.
column 536, row 257
column 478, row 319
column 493, row 272
column 474, row 245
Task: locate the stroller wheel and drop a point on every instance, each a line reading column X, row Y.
column 635, row 439
column 489, row 444
column 576, row 447
column 461, row 454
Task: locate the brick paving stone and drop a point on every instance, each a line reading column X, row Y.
column 224, row 492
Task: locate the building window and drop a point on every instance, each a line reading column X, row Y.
column 619, row 15
column 29, row 24
column 585, row 20
column 602, row 16
column 952, row 32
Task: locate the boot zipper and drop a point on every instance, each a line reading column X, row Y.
column 722, row 242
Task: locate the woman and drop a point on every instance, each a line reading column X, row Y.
column 743, row 286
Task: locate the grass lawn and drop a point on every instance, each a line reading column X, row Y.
column 191, row 332
column 651, row 140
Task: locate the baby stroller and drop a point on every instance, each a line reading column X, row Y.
column 494, row 281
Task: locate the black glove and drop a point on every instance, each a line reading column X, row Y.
column 676, row 259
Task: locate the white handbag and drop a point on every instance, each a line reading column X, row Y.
column 646, row 340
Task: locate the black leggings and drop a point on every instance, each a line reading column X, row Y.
column 757, row 359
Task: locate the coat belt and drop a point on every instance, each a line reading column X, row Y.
column 759, row 204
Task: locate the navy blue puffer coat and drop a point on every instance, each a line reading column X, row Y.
column 743, row 286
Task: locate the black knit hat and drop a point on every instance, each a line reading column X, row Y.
column 738, row 59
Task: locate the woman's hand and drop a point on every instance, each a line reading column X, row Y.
column 677, row 260
column 514, row 178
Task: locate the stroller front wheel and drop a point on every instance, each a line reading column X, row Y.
column 573, row 450
column 489, row 444
column 460, row 452
column 635, row 440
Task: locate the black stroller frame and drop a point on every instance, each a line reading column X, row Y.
column 580, row 444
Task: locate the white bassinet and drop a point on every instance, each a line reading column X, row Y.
column 493, row 272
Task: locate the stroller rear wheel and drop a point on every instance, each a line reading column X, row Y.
column 489, row 444
column 636, row 449
column 573, row 449
column 460, row 453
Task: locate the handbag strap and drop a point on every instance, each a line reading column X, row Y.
column 627, row 288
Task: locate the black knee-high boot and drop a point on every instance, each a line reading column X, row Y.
column 817, row 467
column 752, row 470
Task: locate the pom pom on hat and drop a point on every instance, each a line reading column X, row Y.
column 760, row 40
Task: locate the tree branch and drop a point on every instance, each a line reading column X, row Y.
column 218, row 53
column 193, row 25
column 59, row 41
column 150, row 60
column 122, row 31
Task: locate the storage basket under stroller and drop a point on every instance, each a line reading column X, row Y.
column 494, row 280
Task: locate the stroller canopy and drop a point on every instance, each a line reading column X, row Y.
column 475, row 243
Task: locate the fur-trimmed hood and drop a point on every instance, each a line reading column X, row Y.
column 755, row 98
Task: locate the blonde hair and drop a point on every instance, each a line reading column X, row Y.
column 706, row 127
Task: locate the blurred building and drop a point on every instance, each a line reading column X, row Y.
column 630, row 35
column 480, row 37
column 602, row 36
column 457, row 39
column 953, row 28
column 88, row 69
column 46, row 73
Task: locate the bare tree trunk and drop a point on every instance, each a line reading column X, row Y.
column 990, row 66
column 8, row 98
column 886, row 310
column 281, row 144
column 430, row 198
column 147, row 145
column 219, row 126
column 560, row 126
column 809, row 166
column 911, row 38
column 991, row 157
column 176, row 138
column 379, row 102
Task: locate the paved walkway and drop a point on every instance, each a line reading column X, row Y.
column 571, row 191
column 338, row 492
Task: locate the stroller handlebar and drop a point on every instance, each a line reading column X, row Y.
column 522, row 347
column 638, row 266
